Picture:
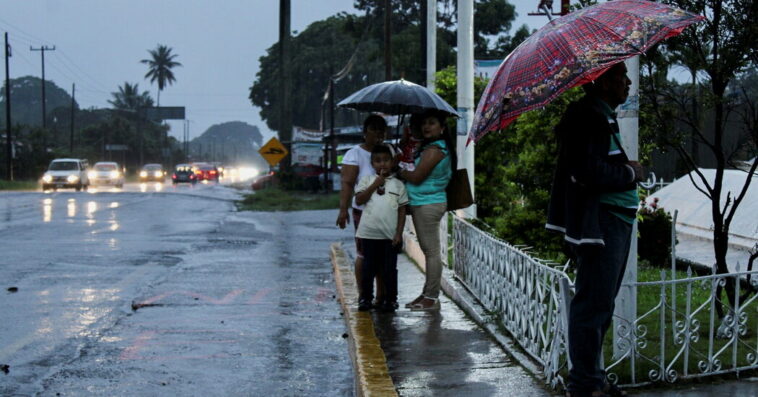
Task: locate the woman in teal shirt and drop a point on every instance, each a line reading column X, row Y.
column 426, row 189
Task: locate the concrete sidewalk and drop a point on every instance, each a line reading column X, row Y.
column 446, row 353
column 440, row 353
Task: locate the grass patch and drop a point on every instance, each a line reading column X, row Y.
column 18, row 185
column 276, row 199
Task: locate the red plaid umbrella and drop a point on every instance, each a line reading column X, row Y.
column 570, row 51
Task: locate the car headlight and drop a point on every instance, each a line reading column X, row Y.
column 47, row 178
column 91, row 175
column 114, row 174
column 143, row 174
column 72, row 178
column 158, row 174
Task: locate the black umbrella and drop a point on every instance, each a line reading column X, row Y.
column 396, row 97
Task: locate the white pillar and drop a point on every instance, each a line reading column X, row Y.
column 628, row 119
column 431, row 42
column 466, row 93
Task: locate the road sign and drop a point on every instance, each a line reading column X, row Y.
column 273, row 151
column 164, row 113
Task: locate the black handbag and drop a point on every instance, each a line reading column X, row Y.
column 458, row 191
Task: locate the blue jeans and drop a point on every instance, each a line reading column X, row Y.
column 598, row 279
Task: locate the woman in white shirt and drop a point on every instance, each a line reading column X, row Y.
column 355, row 165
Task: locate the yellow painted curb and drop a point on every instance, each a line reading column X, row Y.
column 372, row 377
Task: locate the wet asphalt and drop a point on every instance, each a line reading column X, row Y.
column 170, row 292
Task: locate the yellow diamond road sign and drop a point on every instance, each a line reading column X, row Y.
column 273, row 151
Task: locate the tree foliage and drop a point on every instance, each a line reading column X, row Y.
column 514, row 170
column 716, row 52
column 26, row 101
column 160, row 65
column 93, row 128
column 325, row 47
column 129, row 98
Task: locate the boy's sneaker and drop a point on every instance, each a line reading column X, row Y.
column 364, row 305
column 388, row 307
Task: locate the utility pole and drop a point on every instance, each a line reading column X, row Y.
column 431, row 42
column 42, row 50
column 73, row 109
column 466, row 94
column 387, row 41
column 628, row 122
column 285, row 127
column 185, row 139
column 8, row 140
column 332, row 140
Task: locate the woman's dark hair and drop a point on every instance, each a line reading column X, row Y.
column 446, row 136
column 379, row 149
column 374, row 121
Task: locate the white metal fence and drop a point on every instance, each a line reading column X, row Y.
column 680, row 335
column 677, row 335
column 528, row 297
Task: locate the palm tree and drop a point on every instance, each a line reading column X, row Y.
column 128, row 97
column 160, row 65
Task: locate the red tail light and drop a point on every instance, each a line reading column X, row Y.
column 213, row 172
column 173, row 176
column 192, row 176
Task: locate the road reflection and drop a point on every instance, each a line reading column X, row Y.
column 91, row 209
column 145, row 187
column 71, row 208
column 47, row 210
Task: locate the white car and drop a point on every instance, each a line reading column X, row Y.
column 66, row 173
column 106, row 173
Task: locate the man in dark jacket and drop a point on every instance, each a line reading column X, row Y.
column 593, row 203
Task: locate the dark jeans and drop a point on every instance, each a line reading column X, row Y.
column 379, row 257
column 598, row 279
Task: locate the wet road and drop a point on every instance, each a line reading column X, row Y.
column 156, row 290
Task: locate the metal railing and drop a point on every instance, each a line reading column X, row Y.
column 679, row 335
column 669, row 342
column 527, row 296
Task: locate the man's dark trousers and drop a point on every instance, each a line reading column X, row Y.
column 599, row 274
column 379, row 257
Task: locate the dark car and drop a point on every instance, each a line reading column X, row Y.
column 183, row 173
column 264, row 181
column 207, row 172
column 152, row 172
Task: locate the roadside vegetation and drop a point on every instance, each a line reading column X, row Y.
column 276, row 199
column 18, row 185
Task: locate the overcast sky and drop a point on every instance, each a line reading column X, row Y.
column 99, row 43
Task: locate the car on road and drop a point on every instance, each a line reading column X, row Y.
column 207, row 172
column 183, row 173
column 106, row 173
column 264, row 181
column 66, row 173
column 152, row 173
column 220, row 168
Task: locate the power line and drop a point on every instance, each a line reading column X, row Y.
column 21, row 33
column 85, row 74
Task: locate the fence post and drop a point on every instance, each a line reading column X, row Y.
column 673, row 273
column 626, row 301
column 565, row 301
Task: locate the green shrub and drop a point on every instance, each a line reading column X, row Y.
column 654, row 226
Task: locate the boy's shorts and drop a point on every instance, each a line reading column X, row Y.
column 356, row 220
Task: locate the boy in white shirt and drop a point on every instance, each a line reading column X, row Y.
column 381, row 228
